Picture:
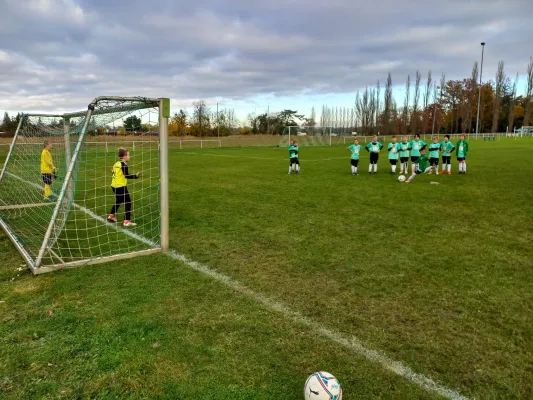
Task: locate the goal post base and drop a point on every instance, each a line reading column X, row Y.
column 98, row 260
column 20, row 247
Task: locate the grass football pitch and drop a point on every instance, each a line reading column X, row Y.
column 329, row 271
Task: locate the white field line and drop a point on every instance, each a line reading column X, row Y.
column 352, row 343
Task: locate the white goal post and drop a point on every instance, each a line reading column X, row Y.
column 60, row 218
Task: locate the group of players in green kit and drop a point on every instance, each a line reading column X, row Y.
column 415, row 150
column 402, row 152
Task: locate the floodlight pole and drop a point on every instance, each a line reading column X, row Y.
column 479, row 96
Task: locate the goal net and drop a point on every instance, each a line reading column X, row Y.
column 315, row 135
column 58, row 218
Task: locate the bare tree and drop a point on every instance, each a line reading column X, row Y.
column 386, row 117
column 512, row 103
column 312, row 118
column 406, row 104
column 439, row 102
column 378, row 105
column 499, row 91
column 201, row 118
column 416, row 99
column 528, row 106
column 427, row 96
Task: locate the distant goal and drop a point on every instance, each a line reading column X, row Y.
column 70, row 226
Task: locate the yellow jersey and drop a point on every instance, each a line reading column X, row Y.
column 121, row 175
column 47, row 167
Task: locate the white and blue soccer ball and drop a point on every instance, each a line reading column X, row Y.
column 322, row 386
column 401, row 178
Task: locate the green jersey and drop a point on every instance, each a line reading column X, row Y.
column 434, row 149
column 446, row 148
column 293, row 151
column 374, row 147
column 393, row 148
column 355, row 149
column 423, row 162
column 416, row 146
column 462, row 148
column 404, row 149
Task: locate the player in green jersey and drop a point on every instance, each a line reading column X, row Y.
column 393, row 148
column 374, row 147
column 294, row 162
column 416, row 146
column 355, row 149
column 462, row 151
column 421, row 166
column 447, row 148
column 405, row 146
column 434, row 149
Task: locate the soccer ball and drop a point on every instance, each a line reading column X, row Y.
column 322, row 386
column 401, row 178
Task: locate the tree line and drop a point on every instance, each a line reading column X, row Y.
column 428, row 104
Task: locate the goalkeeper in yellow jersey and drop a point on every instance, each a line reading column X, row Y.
column 48, row 170
column 118, row 184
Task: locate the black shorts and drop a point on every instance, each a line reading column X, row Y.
column 404, row 159
column 354, row 162
column 414, row 159
column 446, row 159
column 47, row 179
column 461, row 158
column 433, row 161
column 374, row 158
column 294, row 160
column 393, row 162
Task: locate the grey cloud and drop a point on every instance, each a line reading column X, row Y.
column 59, row 54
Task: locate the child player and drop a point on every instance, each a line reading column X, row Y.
column 393, row 148
column 434, row 155
column 294, row 162
column 405, row 146
column 47, row 170
column 355, row 149
column 421, row 166
column 462, row 151
column 374, row 147
column 118, row 184
column 447, row 148
column 415, row 147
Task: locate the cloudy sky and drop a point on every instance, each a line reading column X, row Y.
column 57, row 55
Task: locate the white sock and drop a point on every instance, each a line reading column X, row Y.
column 401, row 168
column 413, row 167
column 449, row 167
column 297, row 167
column 394, row 168
column 290, row 168
column 376, row 167
column 443, row 167
column 464, row 166
column 355, row 169
column 369, row 167
column 411, row 177
column 460, row 166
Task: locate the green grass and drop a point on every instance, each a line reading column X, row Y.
column 438, row 277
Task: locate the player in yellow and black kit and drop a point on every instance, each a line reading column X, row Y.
column 48, row 170
column 118, row 184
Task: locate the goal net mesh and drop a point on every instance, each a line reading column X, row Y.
column 71, row 227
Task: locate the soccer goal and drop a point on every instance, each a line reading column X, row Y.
column 314, row 135
column 66, row 224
